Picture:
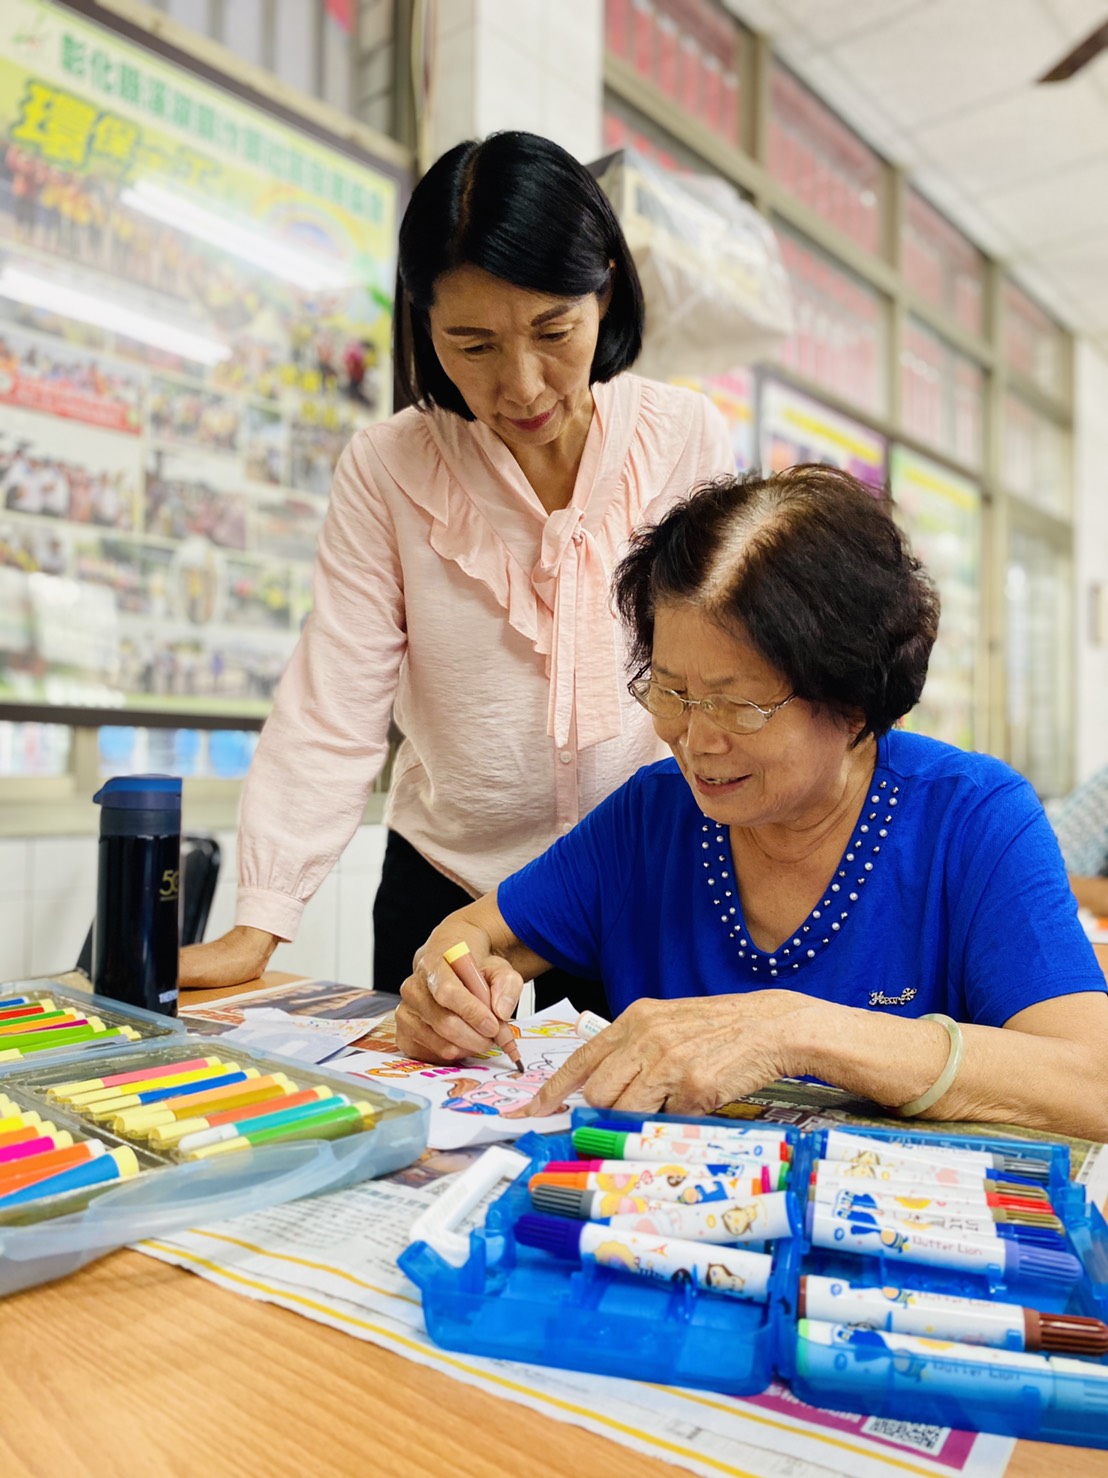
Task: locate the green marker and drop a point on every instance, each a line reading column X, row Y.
column 68, row 1036
column 334, row 1123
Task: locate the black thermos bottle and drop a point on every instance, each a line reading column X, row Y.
column 138, row 887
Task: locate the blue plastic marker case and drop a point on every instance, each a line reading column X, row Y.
column 517, row 1303
column 941, row 1391
column 150, row 1025
column 514, row 1303
column 44, row 1239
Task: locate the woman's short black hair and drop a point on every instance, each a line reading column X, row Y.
column 521, row 208
column 809, row 565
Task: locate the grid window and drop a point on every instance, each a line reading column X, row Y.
column 1039, row 601
column 942, row 265
column 688, row 49
column 1034, row 457
column 203, row 754
column 942, row 395
column 822, row 162
column 840, row 326
column 1034, row 345
column 34, row 750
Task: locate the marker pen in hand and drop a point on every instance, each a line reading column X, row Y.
column 977, row 1321
column 727, row 1270
column 460, row 961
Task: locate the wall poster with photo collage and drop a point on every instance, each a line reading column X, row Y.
column 195, row 313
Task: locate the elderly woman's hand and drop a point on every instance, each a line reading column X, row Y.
column 438, row 1019
column 686, row 1056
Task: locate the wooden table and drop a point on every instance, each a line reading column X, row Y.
column 133, row 1367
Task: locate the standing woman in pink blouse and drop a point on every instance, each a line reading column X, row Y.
column 461, row 580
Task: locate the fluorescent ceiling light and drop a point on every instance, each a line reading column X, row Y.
column 302, row 268
column 38, row 292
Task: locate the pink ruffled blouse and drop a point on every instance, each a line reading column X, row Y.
column 444, row 592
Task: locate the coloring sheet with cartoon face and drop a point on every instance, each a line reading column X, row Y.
column 468, row 1098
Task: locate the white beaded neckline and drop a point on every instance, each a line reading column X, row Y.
column 810, row 938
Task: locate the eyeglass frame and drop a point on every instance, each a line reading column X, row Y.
column 646, row 683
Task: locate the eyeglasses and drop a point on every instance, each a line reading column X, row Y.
column 732, row 714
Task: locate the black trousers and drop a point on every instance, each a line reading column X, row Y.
column 413, row 898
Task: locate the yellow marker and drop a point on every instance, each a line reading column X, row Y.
column 91, row 1098
column 21, row 1119
column 135, row 1077
column 141, row 1121
column 165, row 1136
column 108, row 1109
column 336, row 1125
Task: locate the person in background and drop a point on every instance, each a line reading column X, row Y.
column 462, row 575
column 803, row 887
column 1081, row 826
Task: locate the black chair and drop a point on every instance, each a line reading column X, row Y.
column 200, row 859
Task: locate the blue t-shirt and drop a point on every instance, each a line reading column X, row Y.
column 951, row 896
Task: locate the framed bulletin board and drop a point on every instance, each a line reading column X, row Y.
column 195, row 315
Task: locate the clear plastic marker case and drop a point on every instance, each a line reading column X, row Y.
column 49, row 1237
column 517, row 1303
column 148, row 1026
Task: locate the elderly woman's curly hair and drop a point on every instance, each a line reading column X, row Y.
column 809, row 566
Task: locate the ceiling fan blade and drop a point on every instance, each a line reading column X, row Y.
column 1079, row 57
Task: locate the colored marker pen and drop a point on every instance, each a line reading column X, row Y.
column 461, row 962
column 117, row 1164
column 247, row 1090
column 164, row 1136
column 977, row 1321
column 942, row 1250
column 763, row 1219
column 589, row 1024
column 90, row 1098
column 32, row 1008
column 731, row 1271
column 15, row 1001
column 607, row 1144
column 774, row 1175
column 30, row 1172
column 29, row 1130
column 40, row 1021
column 842, row 1144
column 960, row 1371
column 701, row 1133
column 921, row 1175
column 966, row 1228
column 333, row 1124
column 273, row 1118
column 66, row 1091
column 828, row 1187
column 39, row 1146
column 69, row 1037
column 959, row 1215
column 662, row 1183
column 113, row 1106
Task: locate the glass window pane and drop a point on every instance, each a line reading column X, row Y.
column 839, row 342
column 203, row 754
column 941, row 514
column 688, row 50
column 822, row 162
column 1039, row 599
column 942, row 394
column 942, row 265
column 34, row 749
column 625, row 128
column 1033, row 457
column 1034, row 345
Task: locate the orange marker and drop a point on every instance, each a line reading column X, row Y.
column 42, row 1166
column 42, row 1144
column 460, row 961
column 25, row 1131
column 142, row 1120
column 48, row 1021
column 166, row 1135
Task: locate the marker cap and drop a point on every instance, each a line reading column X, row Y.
column 550, row 1233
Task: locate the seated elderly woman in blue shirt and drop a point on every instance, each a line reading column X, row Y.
column 803, row 888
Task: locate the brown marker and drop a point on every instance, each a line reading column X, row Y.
column 460, row 961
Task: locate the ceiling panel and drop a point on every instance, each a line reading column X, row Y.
column 1036, row 131
column 1055, row 210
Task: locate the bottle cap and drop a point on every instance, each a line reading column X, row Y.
column 140, row 793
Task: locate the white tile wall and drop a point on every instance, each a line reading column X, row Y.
column 1091, row 553
column 48, row 897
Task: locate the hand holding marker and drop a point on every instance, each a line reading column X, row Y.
column 460, row 961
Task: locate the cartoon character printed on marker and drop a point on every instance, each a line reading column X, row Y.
column 719, row 1275
column 739, row 1219
column 615, row 1254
